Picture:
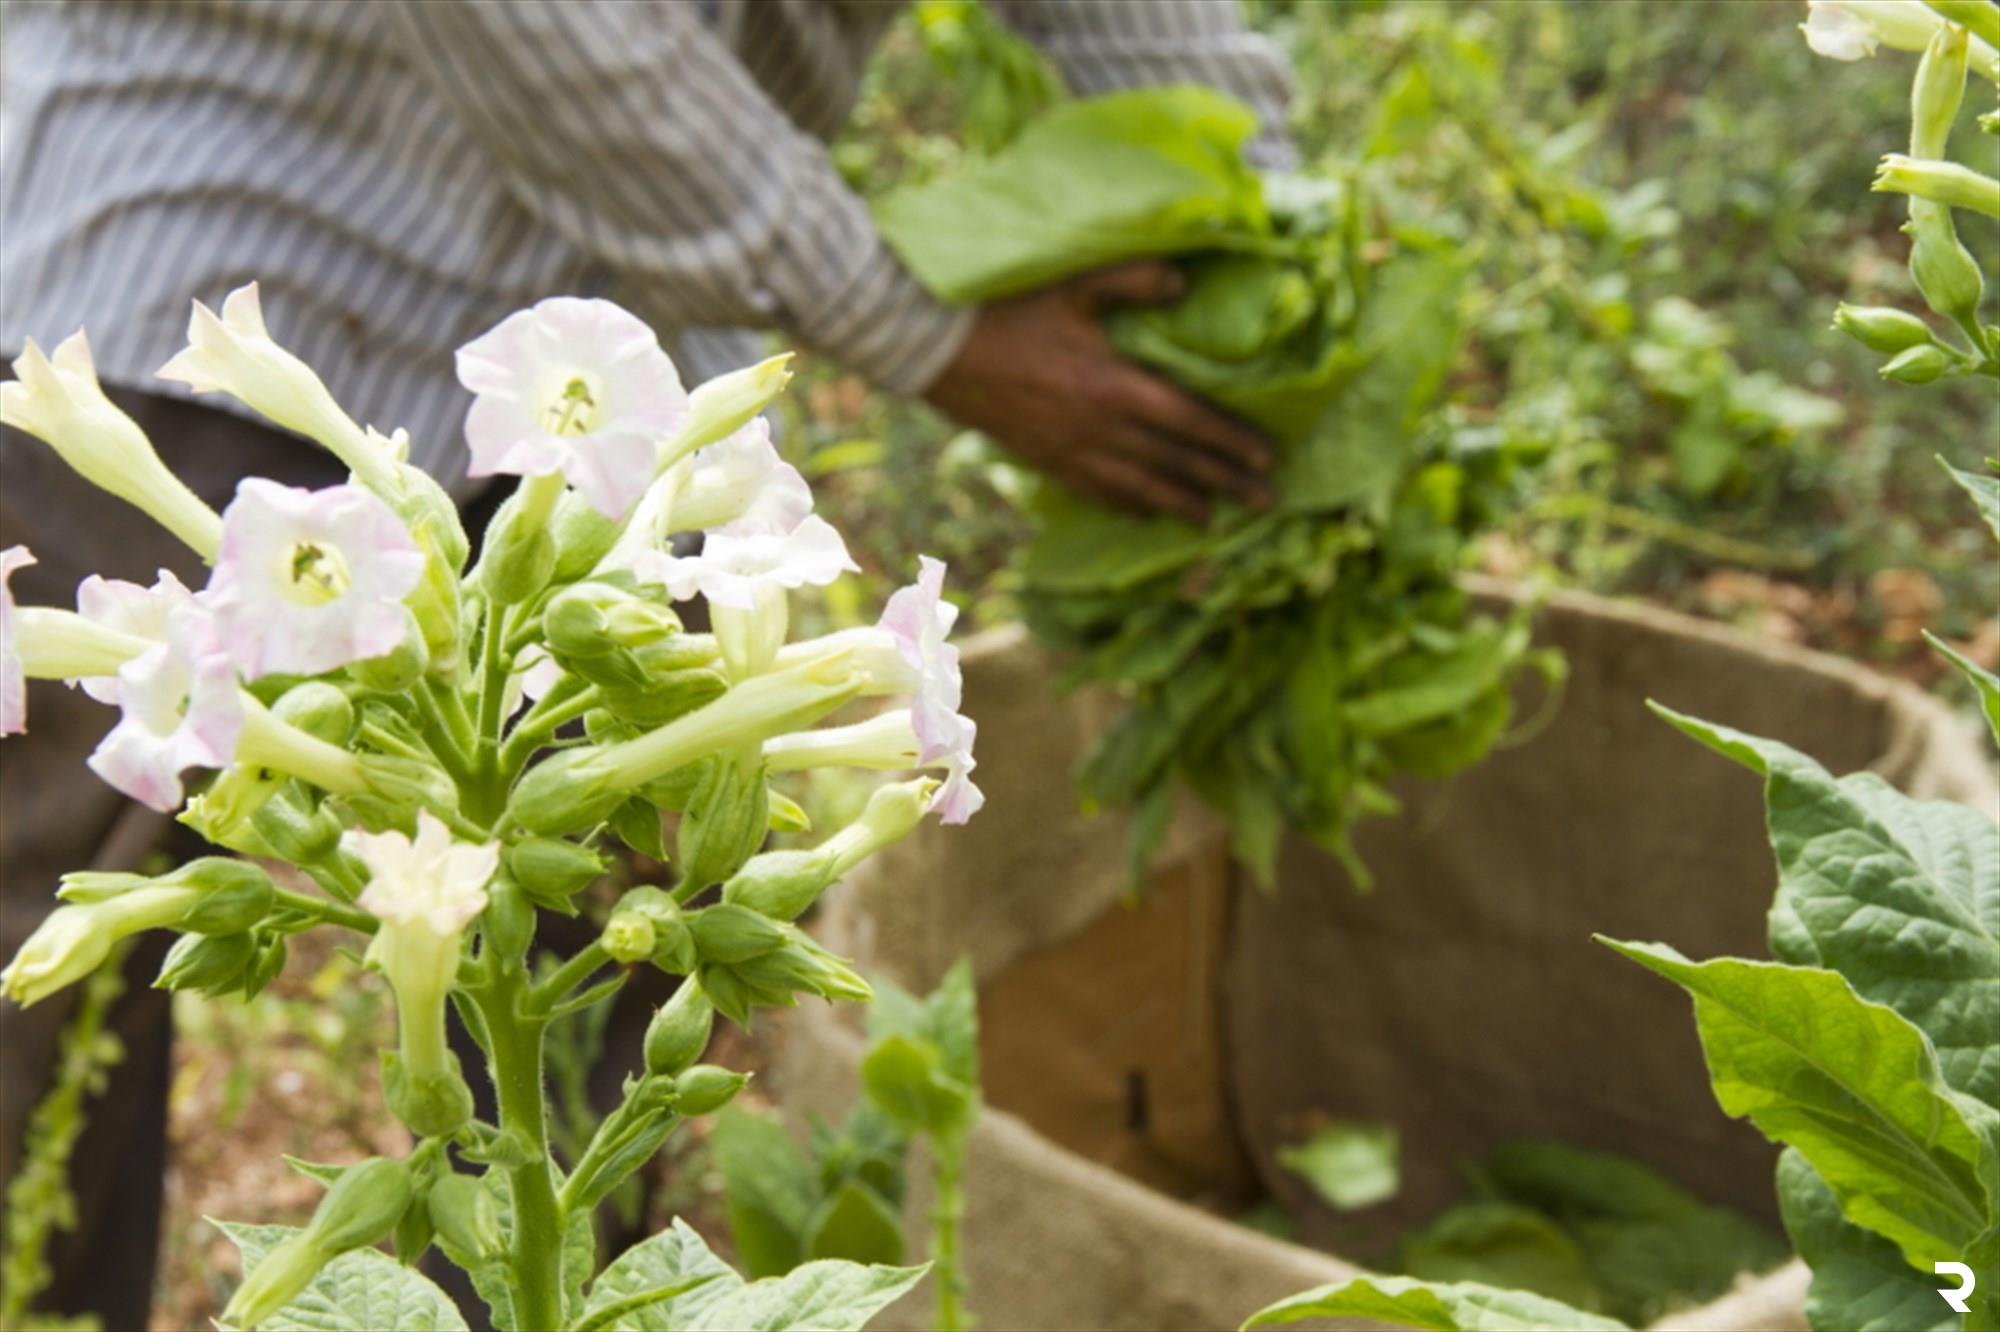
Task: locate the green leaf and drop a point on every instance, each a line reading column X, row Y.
column 1983, row 680
column 1350, row 1165
column 1985, row 492
column 906, row 1078
column 855, row 1223
column 1650, row 1246
column 1500, row 1244
column 671, row 1282
column 1851, row 1084
column 770, row 1190
column 364, row 1288
column 1432, row 1306
column 1900, row 896
column 1860, row 1282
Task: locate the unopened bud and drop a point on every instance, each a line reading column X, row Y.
column 508, row 923
column 679, row 1031
column 432, row 1104
column 583, row 536
column 724, row 823
column 235, row 894
column 673, row 942
column 1882, row 329
column 208, row 963
column 296, row 832
column 729, row 934
column 319, row 709
column 1917, row 365
column 780, row 884
column 628, row 937
column 1945, row 271
column 413, row 1232
column 564, row 794
column 553, row 867
column 399, row 670
column 362, row 1205
column 520, row 566
column 706, row 1088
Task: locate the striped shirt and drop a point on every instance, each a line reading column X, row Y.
column 401, row 174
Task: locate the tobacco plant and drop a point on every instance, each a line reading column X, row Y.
column 1867, row 1047
column 426, row 751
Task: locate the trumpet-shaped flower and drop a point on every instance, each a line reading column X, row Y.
column 575, row 386
column 73, row 941
column 311, row 580
column 58, row 400
column 741, row 487
column 732, row 568
column 128, row 608
column 430, row 883
column 234, row 353
column 13, row 676
column 1856, row 29
column 918, row 619
column 182, row 709
column 889, row 740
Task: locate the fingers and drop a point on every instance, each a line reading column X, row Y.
column 1189, row 437
column 1124, row 483
column 1141, row 282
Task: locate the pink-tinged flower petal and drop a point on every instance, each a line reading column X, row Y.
column 13, row 676
column 958, row 799
column 182, row 709
column 741, row 487
column 431, row 881
column 143, row 612
column 730, row 569
column 579, row 386
column 309, row 581
column 918, row 618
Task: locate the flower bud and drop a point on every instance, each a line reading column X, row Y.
column 223, row 812
column 730, row 934
column 362, row 1205
column 413, row 1233
column 319, row 709
column 297, row 832
column 432, row 1103
column 666, row 696
column 583, row 536
column 397, row 671
column 520, row 567
column 552, row 867
column 673, row 942
column 1917, row 365
column 1945, row 271
column 706, row 1088
column 276, row 1281
column 679, row 1031
column 1938, row 90
column 628, row 937
column 1882, row 329
column 428, row 509
column 73, row 941
column 565, row 793
column 264, row 969
column 780, row 884
column 236, row 894
column 724, row 823
column 1946, row 183
column 508, row 923
column 787, row 814
column 212, row 964
column 591, row 619
column 396, row 789
column 466, row 1217
column 725, row 404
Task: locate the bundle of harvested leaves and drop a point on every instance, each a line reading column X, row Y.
column 1285, row 664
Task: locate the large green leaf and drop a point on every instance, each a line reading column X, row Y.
column 1650, row 1246
column 671, row 1282
column 1860, row 1282
column 1900, row 896
column 1851, row 1084
column 1149, row 172
column 364, row 1288
column 1432, row 1306
column 770, row 1187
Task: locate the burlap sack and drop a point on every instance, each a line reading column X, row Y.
column 1143, row 1064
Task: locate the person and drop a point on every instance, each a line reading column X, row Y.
column 400, row 175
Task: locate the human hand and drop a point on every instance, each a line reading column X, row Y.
column 1039, row 375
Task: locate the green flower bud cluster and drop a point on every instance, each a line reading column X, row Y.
column 361, row 1207
column 748, row 960
column 672, row 949
column 633, row 650
column 552, row 870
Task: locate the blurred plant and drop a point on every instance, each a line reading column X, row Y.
column 39, row 1199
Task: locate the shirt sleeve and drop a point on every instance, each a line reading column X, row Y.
column 1103, row 45
column 633, row 132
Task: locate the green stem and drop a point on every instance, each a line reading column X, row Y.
column 334, row 913
column 565, row 978
column 947, row 1210
column 489, row 793
column 438, row 734
column 536, row 1253
column 544, row 719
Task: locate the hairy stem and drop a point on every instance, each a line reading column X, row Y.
column 535, row 1256
column 947, row 1210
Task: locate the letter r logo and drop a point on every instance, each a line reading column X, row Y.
column 1956, row 1298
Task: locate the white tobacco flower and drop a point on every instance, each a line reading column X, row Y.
column 741, row 487
column 182, row 709
column 431, row 883
column 1856, row 29
column 731, row 568
column 128, row 608
column 579, row 387
column 309, row 581
column 13, row 675
column 234, row 353
column 889, row 741
column 59, row 401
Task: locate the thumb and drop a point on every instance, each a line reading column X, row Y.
column 1141, row 282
